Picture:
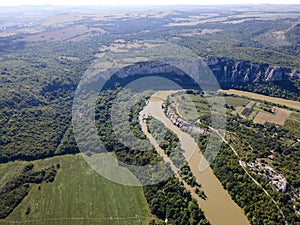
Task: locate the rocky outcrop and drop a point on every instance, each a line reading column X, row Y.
column 182, row 124
column 277, row 181
column 148, row 68
column 226, row 71
column 274, row 74
column 232, row 71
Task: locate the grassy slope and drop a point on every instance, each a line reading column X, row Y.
column 79, row 196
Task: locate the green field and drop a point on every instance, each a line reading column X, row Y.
column 190, row 106
column 193, row 106
column 77, row 196
column 236, row 101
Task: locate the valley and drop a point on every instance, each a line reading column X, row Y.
column 226, row 142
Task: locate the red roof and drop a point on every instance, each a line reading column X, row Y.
column 271, row 156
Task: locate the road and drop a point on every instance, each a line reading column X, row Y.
column 243, row 165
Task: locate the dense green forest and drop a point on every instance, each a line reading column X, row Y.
column 36, row 101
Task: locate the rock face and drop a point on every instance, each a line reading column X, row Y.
column 226, row 71
column 232, row 71
column 274, row 75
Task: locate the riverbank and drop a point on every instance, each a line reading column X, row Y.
column 219, row 208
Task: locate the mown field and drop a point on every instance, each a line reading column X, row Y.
column 78, row 195
column 284, row 102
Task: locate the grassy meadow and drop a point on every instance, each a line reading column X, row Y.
column 77, row 196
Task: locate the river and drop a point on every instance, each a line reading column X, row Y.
column 219, row 208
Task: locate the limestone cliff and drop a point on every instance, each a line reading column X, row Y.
column 226, row 71
column 235, row 71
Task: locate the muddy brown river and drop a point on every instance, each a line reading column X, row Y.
column 219, row 208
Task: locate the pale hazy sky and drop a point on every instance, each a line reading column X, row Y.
column 140, row 2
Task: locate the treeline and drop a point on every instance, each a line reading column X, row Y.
column 14, row 191
column 170, row 200
column 169, row 142
column 287, row 89
column 107, row 133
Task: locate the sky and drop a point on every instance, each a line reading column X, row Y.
column 140, row 2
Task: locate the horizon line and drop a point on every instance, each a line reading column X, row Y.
column 116, row 5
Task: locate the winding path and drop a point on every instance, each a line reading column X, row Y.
column 243, row 165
